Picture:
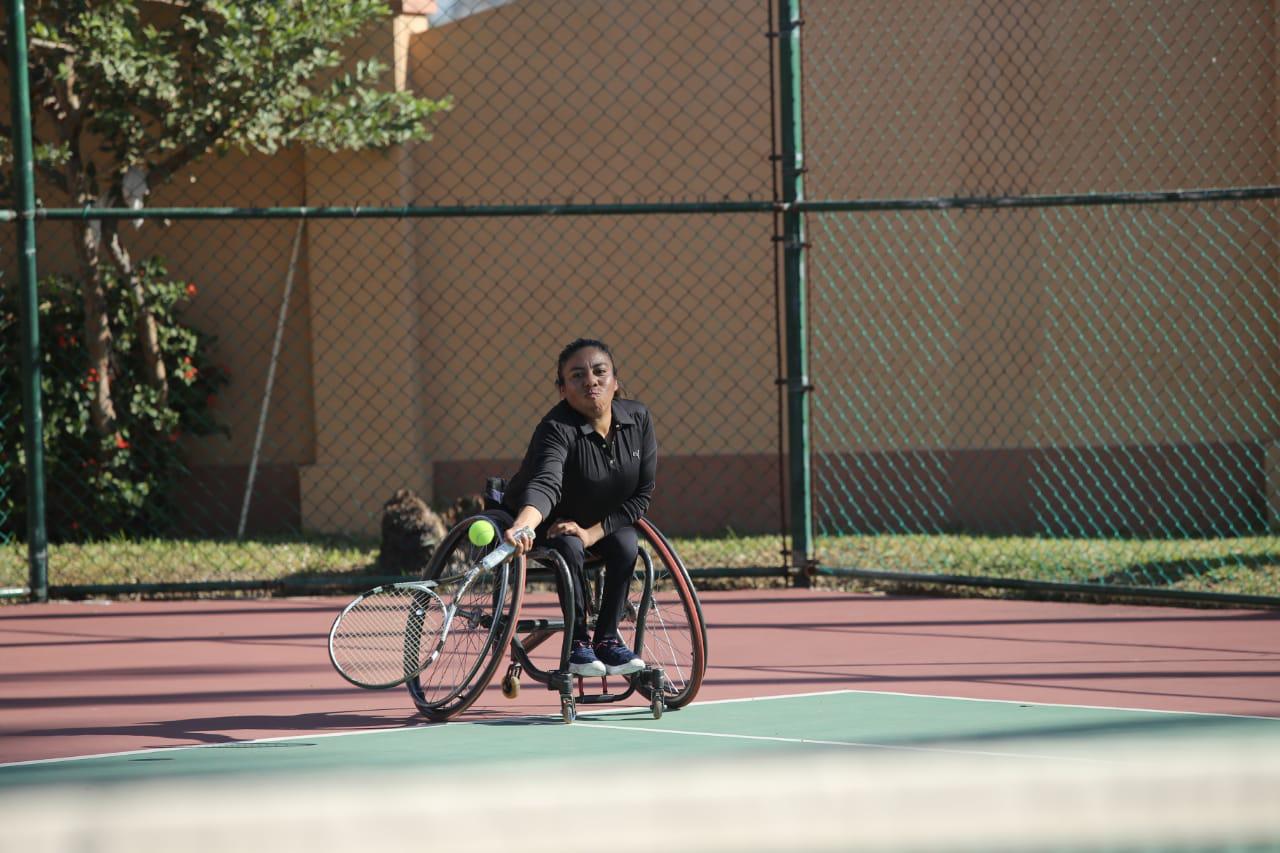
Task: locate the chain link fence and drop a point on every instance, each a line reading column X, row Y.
column 341, row 360
column 997, row 391
column 1091, row 375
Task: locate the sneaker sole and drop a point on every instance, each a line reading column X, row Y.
column 625, row 669
column 588, row 669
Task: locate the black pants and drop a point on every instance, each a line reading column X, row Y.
column 619, row 551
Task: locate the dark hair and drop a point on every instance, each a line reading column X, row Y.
column 580, row 344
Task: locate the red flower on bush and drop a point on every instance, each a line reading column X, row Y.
column 158, row 425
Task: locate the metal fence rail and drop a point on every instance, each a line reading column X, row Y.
column 979, row 293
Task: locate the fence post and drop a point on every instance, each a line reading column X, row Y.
column 29, row 320
column 793, row 268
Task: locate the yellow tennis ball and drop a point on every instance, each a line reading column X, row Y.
column 481, row 533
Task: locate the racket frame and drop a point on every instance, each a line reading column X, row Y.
column 489, row 562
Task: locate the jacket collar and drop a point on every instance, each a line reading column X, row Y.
column 621, row 417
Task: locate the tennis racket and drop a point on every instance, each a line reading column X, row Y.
column 393, row 632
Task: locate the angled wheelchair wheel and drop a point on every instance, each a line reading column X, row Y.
column 482, row 626
column 666, row 627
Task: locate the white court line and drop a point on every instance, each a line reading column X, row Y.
column 844, row 691
column 160, row 750
column 593, row 712
column 854, row 744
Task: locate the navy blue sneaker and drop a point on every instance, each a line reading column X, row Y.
column 617, row 658
column 583, row 661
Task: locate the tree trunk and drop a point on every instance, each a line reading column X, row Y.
column 145, row 325
column 97, row 331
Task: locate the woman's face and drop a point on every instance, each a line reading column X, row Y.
column 589, row 383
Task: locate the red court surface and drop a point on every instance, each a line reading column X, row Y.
column 93, row 678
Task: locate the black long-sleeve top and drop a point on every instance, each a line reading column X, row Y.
column 572, row 472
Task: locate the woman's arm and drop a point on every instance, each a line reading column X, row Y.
column 528, row 517
column 538, row 484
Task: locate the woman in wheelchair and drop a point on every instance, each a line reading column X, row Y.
column 587, row 476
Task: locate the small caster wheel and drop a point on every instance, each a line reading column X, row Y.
column 657, row 706
column 568, row 709
column 511, row 681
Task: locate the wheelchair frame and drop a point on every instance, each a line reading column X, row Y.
column 517, row 637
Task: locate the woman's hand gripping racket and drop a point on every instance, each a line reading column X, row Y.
column 393, row 632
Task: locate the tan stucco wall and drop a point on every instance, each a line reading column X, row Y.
column 997, row 335
column 541, row 119
column 414, row 342
column 240, row 269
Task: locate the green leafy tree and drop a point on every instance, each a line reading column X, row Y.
column 98, row 486
column 127, row 93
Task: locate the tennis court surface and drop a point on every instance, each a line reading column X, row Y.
column 826, row 721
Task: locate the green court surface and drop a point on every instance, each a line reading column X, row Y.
column 847, row 722
column 823, row 772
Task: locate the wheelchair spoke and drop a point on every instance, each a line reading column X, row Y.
column 480, row 632
column 671, row 634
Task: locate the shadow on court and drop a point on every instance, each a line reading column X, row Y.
column 211, row 730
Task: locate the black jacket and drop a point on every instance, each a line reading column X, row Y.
column 571, row 472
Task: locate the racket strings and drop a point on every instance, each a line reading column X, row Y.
column 388, row 636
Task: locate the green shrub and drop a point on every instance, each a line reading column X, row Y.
column 98, row 485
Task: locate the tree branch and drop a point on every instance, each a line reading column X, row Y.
column 46, row 44
column 145, row 325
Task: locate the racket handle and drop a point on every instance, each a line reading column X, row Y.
column 498, row 555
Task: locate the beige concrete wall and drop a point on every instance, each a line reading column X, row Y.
column 543, row 116
column 1022, row 320
column 419, row 342
column 367, row 387
column 241, row 269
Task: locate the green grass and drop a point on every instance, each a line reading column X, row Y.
column 1241, row 566
column 131, row 561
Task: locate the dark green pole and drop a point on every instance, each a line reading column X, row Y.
column 24, row 188
column 793, row 270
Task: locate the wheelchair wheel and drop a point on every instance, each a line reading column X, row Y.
column 481, row 629
column 669, row 632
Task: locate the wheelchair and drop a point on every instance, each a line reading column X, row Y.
column 662, row 621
